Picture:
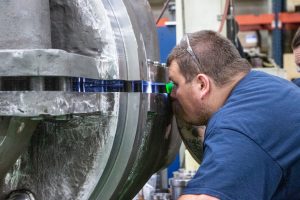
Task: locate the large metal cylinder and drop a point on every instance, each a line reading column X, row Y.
column 100, row 120
column 25, row 24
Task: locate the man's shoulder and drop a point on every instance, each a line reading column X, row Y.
column 197, row 197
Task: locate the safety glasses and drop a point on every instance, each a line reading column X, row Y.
column 189, row 49
column 170, row 85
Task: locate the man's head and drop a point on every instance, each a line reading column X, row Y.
column 296, row 47
column 204, row 67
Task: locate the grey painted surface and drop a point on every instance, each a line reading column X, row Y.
column 52, row 62
column 25, row 24
column 85, row 146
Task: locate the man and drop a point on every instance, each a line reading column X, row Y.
column 296, row 51
column 296, row 47
column 252, row 139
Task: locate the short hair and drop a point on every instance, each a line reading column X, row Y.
column 216, row 57
column 296, row 40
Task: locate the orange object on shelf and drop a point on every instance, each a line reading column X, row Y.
column 263, row 19
column 162, row 22
column 289, row 17
column 255, row 22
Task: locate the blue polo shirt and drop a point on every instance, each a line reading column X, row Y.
column 252, row 144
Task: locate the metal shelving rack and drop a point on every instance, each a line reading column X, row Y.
column 277, row 6
column 276, row 22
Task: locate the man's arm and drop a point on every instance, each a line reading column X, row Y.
column 197, row 197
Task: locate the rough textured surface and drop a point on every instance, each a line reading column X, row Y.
column 101, row 146
column 83, row 27
column 49, row 62
column 39, row 104
column 24, row 24
column 62, row 161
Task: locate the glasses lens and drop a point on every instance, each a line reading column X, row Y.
column 169, row 87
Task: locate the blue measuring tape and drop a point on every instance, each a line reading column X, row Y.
column 91, row 85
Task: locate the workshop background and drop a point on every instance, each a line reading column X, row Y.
column 85, row 113
column 265, row 29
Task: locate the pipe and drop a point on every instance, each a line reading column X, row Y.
column 224, row 16
column 163, row 11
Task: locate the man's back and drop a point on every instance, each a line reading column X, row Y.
column 252, row 144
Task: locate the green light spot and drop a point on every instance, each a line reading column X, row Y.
column 169, row 87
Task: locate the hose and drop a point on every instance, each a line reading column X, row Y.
column 163, row 11
column 224, row 16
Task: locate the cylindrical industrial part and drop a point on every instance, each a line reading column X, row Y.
column 180, row 181
column 21, row 195
column 25, row 24
column 177, row 186
column 161, row 196
column 104, row 154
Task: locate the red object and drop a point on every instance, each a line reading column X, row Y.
column 254, row 19
column 289, row 18
column 162, row 22
column 265, row 21
column 255, row 22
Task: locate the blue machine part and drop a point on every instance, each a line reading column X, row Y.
column 92, row 85
column 167, row 41
column 277, row 32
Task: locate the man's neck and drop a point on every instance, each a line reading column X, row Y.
column 222, row 93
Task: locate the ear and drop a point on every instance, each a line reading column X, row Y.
column 204, row 84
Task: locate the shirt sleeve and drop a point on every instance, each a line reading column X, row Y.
column 235, row 167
